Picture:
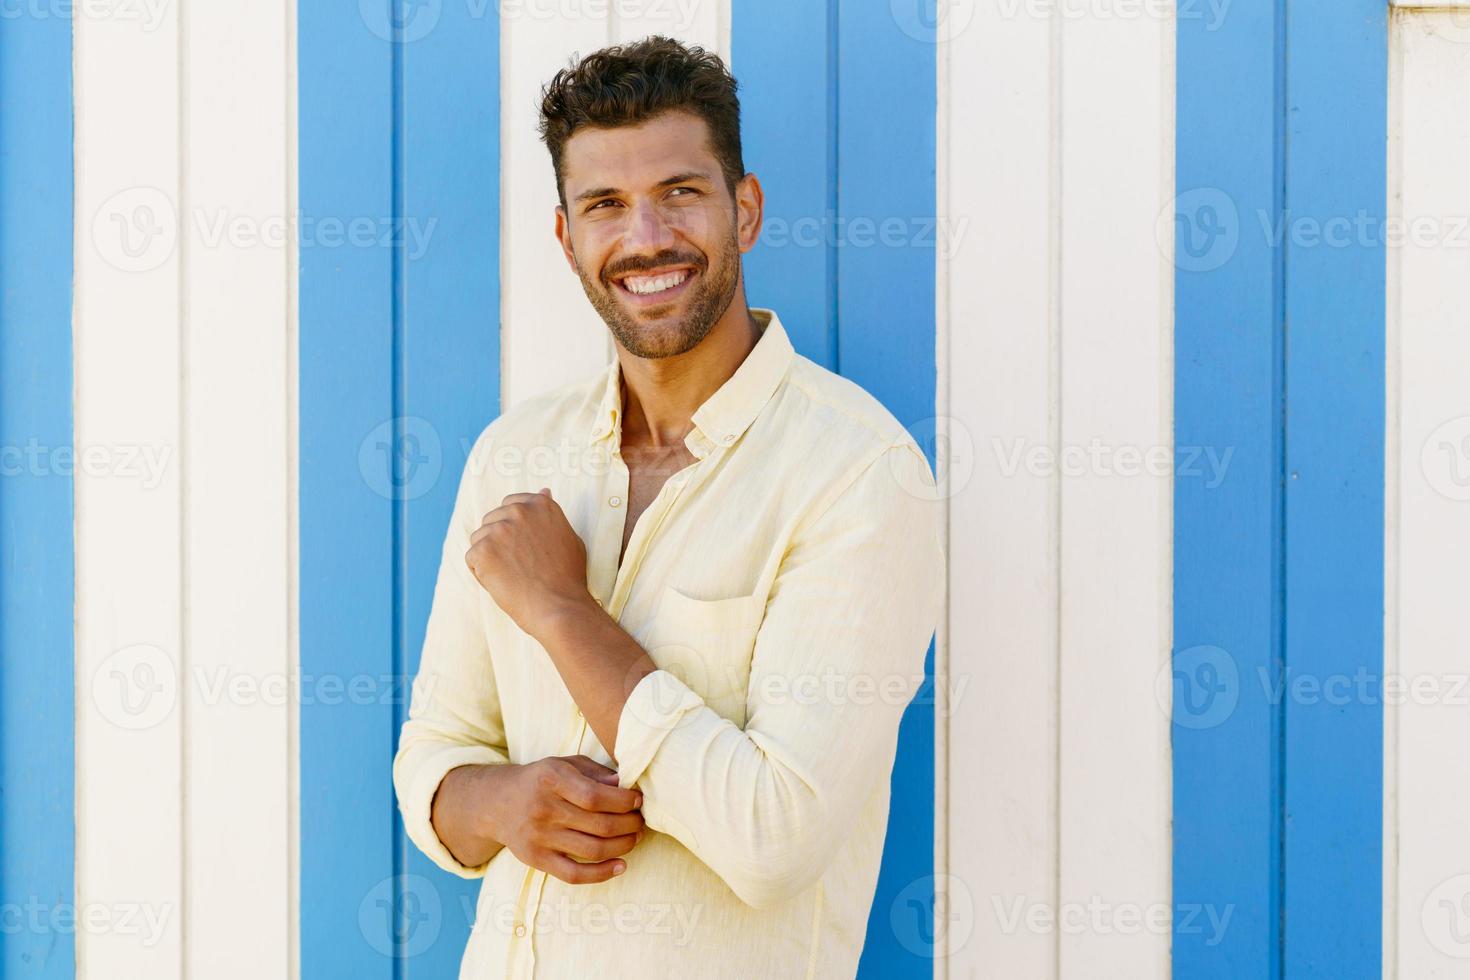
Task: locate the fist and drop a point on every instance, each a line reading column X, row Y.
column 567, row 817
column 527, row 556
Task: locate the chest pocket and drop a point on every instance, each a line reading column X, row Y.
column 707, row 644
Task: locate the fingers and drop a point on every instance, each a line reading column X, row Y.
column 575, row 873
column 583, row 822
column 585, row 847
column 604, row 825
column 593, row 769
column 590, row 794
column 508, row 510
column 481, row 533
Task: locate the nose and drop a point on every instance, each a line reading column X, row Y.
column 647, row 230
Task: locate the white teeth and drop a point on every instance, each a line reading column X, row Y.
column 644, row 285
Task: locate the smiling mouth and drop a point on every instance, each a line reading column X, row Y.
column 645, row 287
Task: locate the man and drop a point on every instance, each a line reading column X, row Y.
column 662, row 683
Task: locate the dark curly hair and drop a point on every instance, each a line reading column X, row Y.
column 627, row 84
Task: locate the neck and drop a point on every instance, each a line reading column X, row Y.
column 661, row 396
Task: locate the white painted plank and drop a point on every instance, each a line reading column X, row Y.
column 549, row 333
column 1002, row 631
column 702, row 22
column 1392, row 453
column 128, row 548
column 237, row 499
column 1117, row 98
column 1430, row 363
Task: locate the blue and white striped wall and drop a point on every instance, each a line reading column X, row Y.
column 1173, row 292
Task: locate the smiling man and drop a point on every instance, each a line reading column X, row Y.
column 661, row 685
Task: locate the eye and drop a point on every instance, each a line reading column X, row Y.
column 686, row 191
column 600, row 204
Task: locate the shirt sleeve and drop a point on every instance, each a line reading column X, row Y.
column 454, row 716
column 839, row 655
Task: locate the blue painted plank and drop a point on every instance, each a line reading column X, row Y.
column 784, row 56
column 346, row 492
column 37, row 746
column 1336, row 174
column 828, row 136
column 449, row 330
column 1228, row 575
column 886, row 342
column 399, row 372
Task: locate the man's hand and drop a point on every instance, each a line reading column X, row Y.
column 526, row 555
column 554, row 815
column 530, row 560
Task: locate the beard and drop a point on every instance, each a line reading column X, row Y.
column 711, row 296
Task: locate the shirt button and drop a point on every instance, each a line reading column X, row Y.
column 520, row 931
column 728, row 439
column 615, row 501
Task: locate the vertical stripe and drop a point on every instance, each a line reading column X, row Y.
column 1114, row 396
column 785, row 59
column 1335, row 179
column 551, row 334
column 36, row 665
column 132, row 230
column 400, row 125
column 886, row 342
column 847, row 160
column 1427, row 778
column 182, row 359
column 449, row 339
column 1000, row 271
column 1227, row 536
column 1279, row 576
column 346, row 491
column 237, row 342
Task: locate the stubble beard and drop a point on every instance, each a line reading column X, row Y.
column 712, row 297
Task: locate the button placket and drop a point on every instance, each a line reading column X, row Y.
column 603, row 558
column 525, row 928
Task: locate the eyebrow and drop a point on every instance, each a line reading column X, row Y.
column 683, row 178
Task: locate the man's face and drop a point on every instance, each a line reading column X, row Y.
column 652, row 230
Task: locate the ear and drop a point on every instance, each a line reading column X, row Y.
column 564, row 236
column 750, row 211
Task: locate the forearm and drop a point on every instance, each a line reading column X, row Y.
column 598, row 661
column 460, row 815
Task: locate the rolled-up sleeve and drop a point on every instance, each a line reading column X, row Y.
column 454, row 716
column 839, row 655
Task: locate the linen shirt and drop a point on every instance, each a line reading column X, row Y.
column 786, row 584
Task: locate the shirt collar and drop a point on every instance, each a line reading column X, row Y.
column 726, row 414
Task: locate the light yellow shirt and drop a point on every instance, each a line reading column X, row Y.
column 787, row 585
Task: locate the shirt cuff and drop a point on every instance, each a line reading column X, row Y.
column 658, row 705
column 418, row 802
